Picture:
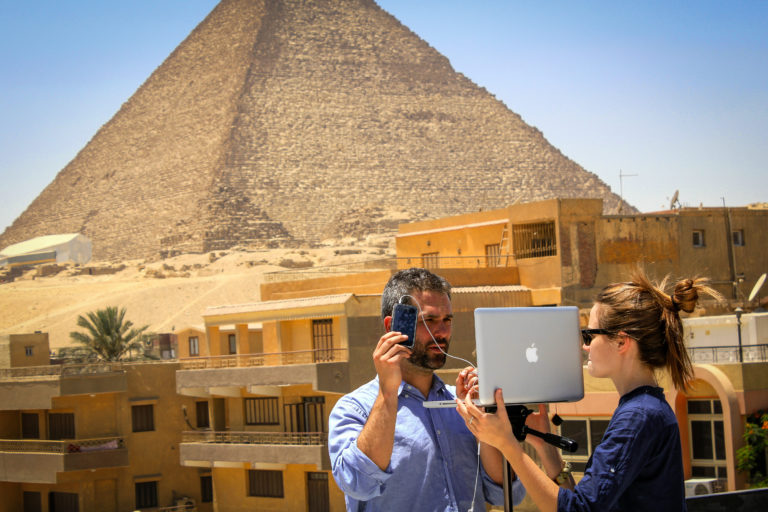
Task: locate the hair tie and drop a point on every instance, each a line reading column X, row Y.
column 675, row 305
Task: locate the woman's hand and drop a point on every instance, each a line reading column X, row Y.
column 493, row 429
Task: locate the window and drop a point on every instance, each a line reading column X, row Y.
column 206, row 488
column 738, row 237
column 232, row 344
column 318, row 497
column 194, row 346
column 534, row 240
column 143, row 417
column 33, row 501
column 61, row 426
column 63, row 501
column 30, row 426
column 265, row 483
column 307, row 416
column 587, row 433
column 698, row 238
column 492, row 255
column 430, row 260
column 201, row 413
column 262, row 411
column 322, row 339
column 146, row 494
column 29, row 350
column 705, row 421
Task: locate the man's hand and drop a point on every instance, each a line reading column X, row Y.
column 386, row 359
column 466, row 382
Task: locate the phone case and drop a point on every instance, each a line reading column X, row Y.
column 404, row 319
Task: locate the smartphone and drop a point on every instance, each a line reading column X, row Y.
column 404, row 318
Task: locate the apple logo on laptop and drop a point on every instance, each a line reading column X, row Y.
column 532, row 353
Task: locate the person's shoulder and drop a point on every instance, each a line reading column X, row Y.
column 364, row 396
column 644, row 408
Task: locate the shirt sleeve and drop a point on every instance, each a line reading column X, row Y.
column 355, row 473
column 615, row 464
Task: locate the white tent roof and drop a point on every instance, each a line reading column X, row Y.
column 38, row 244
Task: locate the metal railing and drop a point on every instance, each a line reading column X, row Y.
column 728, row 354
column 66, row 446
column 58, row 370
column 266, row 359
column 279, row 438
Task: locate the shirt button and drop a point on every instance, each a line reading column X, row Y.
column 438, row 432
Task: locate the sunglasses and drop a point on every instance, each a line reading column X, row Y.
column 587, row 335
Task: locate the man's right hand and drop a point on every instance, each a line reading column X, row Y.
column 386, row 359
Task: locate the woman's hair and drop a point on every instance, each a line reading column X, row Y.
column 646, row 313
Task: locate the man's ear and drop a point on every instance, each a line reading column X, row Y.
column 387, row 323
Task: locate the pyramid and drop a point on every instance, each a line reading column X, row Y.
column 288, row 122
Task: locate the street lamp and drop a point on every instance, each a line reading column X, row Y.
column 739, row 312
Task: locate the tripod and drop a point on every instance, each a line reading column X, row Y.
column 517, row 415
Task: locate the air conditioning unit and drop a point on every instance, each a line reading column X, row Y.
column 700, row 486
column 186, row 504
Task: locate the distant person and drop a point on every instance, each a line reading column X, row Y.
column 634, row 330
column 390, row 453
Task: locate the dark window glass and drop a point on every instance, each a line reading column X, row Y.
column 33, row 502
column 717, row 406
column 143, row 417
column 596, row 431
column 703, row 472
column 63, row 502
column 701, row 439
column 206, row 488
column 265, row 483
column 719, row 440
column 30, row 426
column 232, row 344
column 699, row 407
column 201, row 413
column 194, row 346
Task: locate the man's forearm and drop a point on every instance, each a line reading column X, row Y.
column 378, row 435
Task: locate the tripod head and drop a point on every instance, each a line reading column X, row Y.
column 517, row 415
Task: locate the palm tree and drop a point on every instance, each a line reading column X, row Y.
column 110, row 337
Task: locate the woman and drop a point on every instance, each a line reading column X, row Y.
column 634, row 330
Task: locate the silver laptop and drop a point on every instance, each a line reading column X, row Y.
column 532, row 354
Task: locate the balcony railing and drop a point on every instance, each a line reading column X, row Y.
column 57, row 370
column 67, row 446
column 729, row 354
column 279, row 438
column 267, row 359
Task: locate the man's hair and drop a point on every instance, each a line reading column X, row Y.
column 405, row 282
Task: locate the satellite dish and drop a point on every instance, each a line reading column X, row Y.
column 674, row 200
column 756, row 288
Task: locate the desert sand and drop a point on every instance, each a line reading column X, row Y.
column 165, row 294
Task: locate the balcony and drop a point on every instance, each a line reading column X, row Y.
column 325, row 369
column 728, row 354
column 232, row 449
column 39, row 461
column 33, row 387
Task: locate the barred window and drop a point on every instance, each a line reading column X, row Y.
column 143, row 417
column 146, row 494
column 534, row 240
column 194, row 346
column 430, row 260
column 262, row 411
column 61, row 426
column 265, row 483
column 322, row 339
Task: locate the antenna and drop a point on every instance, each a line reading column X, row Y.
column 675, row 200
column 621, row 188
column 755, row 289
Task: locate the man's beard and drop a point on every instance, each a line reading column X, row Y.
column 422, row 358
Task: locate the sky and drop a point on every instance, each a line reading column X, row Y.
column 652, row 96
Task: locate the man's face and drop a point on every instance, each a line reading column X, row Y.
column 435, row 311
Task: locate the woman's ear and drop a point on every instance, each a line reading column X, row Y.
column 624, row 341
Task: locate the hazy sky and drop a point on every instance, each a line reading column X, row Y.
column 673, row 93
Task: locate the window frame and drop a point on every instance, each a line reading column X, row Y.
column 145, row 494
column 194, row 343
column 144, row 423
column 261, row 410
column 737, row 238
column 272, row 485
column 579, row 461
column 701, row 241
column 712, row 416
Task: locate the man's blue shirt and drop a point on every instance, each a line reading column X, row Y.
column 638, row 465
column 434, row 460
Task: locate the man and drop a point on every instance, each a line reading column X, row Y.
column 389, row 452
